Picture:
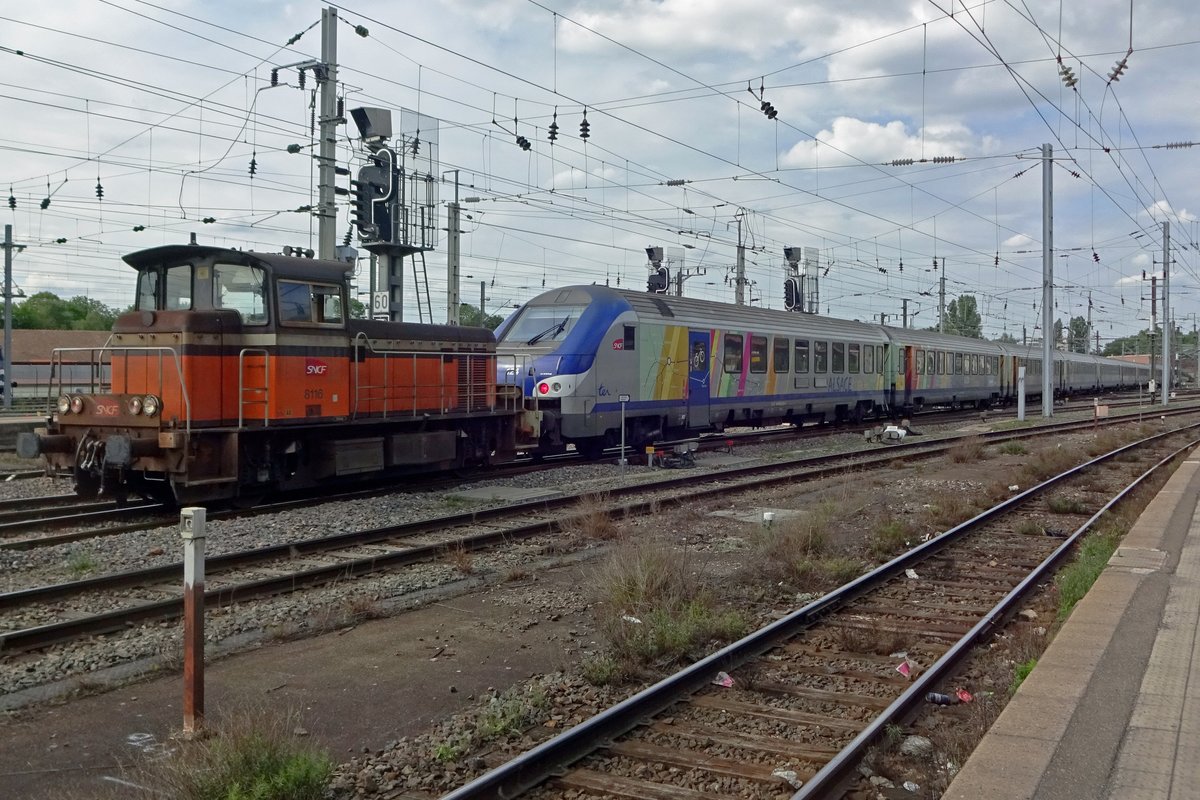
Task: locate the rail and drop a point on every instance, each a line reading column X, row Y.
column 101, row 363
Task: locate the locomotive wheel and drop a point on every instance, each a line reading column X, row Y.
column 87, row 485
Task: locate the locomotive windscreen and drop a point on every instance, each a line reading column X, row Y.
column 543, row 324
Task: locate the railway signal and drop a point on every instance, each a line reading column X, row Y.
column 792, row 298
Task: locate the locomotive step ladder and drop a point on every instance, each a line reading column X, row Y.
column 254, row 384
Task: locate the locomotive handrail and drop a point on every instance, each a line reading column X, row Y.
column 471, row 395
column 99, row 385
column 265, row 389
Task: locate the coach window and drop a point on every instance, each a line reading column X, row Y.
column 852, row 357
column 879, row 358
column 930, row 362
column 958, row 363
column 941, row 363
column 733, row 353
column 758, row 354
column 839, row 358
column 801, row 356
column 630, row 337
column 821, row 357
column 240, row 287
column 920, row 362
column 868, row 357
column 780, row 352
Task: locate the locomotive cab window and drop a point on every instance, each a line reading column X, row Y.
column 543, row 324
column 758, row 354
column 630, row 341
column 240, row 287
column 170, row 293
column 733, row 353
column 307, row 303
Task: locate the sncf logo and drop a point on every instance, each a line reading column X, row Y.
column 313, row 366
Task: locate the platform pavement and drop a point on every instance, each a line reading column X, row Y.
column 1112, row 709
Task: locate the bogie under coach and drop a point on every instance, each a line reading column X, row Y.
column 239, row 373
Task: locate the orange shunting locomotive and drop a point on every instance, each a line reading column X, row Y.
column 239, row 373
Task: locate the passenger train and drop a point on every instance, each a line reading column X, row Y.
column 585, row 355
column 239, row 373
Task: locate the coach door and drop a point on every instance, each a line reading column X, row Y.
column 699, row 361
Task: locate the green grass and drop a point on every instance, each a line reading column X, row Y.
column 81, row 563
column 1077, row 577
column 1021, row 673
column 1013, row 449
column 891, row 537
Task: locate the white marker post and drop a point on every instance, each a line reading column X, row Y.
column 191, row 528
column 623, row 399
column 1021, row 394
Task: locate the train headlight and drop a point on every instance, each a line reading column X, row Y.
column 151, row 405
column 557, row 386
column 77, row 404
column 64, row 404
column 134, row 406
column 543, row 388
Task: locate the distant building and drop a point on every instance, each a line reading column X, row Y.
column 31, row 357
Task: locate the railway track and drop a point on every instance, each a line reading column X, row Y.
column 790, row 710
column 33, row 617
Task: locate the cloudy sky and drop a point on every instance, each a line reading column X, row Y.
column 166, row 103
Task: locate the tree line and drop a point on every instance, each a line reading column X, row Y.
column 48, row 311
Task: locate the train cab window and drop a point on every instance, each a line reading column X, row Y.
column 879, row 358
column 820, row 357
column 868, row 357
column 930, row 362
column 801, row 356
column 733, row 353
column 758, row 354
column 240, row 287
column 780, row 352
column 839, row 358
column 544, row 324
column 170, row 293
column 630, row 337
column 958, row 365
column 852, row 358
column 316, row 304
column 920, row 362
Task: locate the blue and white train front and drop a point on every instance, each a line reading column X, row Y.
column 548, row 348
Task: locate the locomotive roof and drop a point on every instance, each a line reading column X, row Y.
column 279, row 264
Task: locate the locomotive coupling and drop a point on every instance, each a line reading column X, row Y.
column 32, row 445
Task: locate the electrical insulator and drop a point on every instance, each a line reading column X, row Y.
column 302, row 75
column 1095, row 257
column 45, row 203
column 416, row 145
column 99, row 191
column 584, row 127
column 902, row 265
column 12, row 201
column 274, row 77
column 553, row 135
column 341, row 108
column 60, row 241
column 139, row 228
column 523, row 143
column 768, row 110
column 997, row 263
column 209, row 220
column 253, row 165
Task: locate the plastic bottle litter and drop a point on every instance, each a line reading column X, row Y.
column 939, row 699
